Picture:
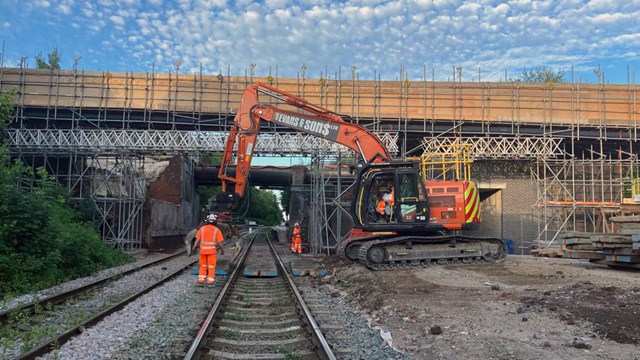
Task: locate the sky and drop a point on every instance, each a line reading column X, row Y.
column 416, row 39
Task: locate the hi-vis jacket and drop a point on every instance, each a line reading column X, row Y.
column 208, row 235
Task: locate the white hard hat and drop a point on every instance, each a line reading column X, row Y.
column 212, row 218
column 296, row 224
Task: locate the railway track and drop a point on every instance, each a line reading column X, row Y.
column 58, row 318
column 259, row 313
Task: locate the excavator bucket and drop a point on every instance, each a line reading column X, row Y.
column 188, row 240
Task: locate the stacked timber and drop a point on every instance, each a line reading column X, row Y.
column 616, row 249
column 579, row 245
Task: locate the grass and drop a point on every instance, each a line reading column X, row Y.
column 289, row 354
column 36, row 336
column 136, row 342
column 230, row 334
column 283, row 302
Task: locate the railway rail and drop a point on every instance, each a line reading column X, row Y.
column 259, row 313
column 26, row 318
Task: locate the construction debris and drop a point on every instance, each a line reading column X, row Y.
column 547, row 252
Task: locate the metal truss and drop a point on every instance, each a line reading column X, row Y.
column 175, row 142
column 499, row 148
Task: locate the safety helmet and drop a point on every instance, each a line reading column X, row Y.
column 296, row 224
column 211, row 218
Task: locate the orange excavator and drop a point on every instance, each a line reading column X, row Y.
column 421, row 221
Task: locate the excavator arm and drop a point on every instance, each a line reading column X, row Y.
column 303, row 116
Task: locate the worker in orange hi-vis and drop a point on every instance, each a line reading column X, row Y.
column 380, row 209
column 296, row 239
column 208, row 237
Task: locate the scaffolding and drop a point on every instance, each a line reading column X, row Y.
column 111, row 189
column 331, row 181
column 581, row 193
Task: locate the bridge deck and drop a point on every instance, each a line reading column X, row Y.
column 591, row 105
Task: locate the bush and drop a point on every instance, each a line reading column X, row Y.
column 43, row 240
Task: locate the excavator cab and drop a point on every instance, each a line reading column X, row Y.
column 390, row 197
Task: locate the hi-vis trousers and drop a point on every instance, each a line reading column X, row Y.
column 207, row 267
column 296, row 244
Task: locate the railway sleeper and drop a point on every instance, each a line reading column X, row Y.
column 268, row 324
column 254, row 347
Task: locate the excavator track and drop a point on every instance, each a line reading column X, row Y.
column 403, row 252
column 349, row 248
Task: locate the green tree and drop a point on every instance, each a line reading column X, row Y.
column 6, row 112
column 285, row 198
column 263, row 207
column 53, row 60
column 43, row 240
column 541, row 75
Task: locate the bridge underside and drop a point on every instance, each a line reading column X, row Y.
column 413, row 132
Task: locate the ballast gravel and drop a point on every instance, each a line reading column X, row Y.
column 163, row 323
column 141, row 258
column 67, row 315
column 159, row 325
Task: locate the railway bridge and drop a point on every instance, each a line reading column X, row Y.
column 549, row 157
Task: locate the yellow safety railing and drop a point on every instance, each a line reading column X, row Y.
column 447, row 162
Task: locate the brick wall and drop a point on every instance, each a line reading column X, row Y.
column 510, row 210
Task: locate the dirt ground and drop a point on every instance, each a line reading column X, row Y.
column 522, row 308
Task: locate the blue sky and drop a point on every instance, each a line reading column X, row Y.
column 375, row 36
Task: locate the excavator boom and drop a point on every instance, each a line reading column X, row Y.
column 304, row 117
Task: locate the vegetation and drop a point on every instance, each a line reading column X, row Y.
column 53, row 60
column 263, row 207
column 289, row 354
column 230, row 333
column 42, row 238
column 285, row 198
column 541, row 75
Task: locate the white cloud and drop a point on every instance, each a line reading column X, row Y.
column 276, row 4
column 118, row 20
column 41, row 3
column 374, row 35
column 6, row 24
column 65, row 9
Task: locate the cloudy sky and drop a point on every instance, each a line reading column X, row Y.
column 319, row 36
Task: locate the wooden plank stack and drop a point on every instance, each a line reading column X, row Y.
column 620, row 249
column 579, row 245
